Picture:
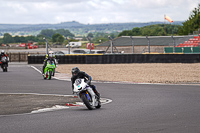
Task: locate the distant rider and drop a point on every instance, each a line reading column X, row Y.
column 76, row 73
column 49, row 57
column 2, row 55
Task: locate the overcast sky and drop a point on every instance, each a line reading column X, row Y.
column 93, row 11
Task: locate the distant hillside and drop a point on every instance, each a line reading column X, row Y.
column 74, row 27
column 30, row 27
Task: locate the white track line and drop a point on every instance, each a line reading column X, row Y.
column 38, row 94
column 36, row 69
column 54, row 108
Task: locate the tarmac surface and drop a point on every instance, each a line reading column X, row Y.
column 135, row 108
column 19, row 103
column 27, row 103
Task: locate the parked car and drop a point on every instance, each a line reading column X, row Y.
column 74, row 44
column 22, row 45
column 80, row 51
column 32, row 46
column 62, row 52
column 96, row 52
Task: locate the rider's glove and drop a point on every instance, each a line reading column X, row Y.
column 88, row 82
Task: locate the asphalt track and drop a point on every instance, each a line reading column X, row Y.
column 135, row 108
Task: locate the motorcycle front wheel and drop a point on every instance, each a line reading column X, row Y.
column 49, row 76
column 87, row 103
column 45, row 76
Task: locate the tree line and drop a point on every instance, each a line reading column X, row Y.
column 54, row 36
column 7, row 38
column 152, row 30
column 190, row 25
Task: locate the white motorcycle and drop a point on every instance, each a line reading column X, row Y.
column 86, row 94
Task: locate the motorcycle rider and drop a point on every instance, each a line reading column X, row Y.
column 76, row 73
column 2, row 55
column 49, row 57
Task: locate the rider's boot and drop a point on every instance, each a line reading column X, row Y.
column 53, row 72
column 43, row 70
column 95, row 91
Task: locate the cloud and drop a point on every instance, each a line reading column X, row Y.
column 93, row 11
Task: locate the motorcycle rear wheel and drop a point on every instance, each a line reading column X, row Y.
column 4, row 69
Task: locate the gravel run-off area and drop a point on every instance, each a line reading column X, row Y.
column 172, row 73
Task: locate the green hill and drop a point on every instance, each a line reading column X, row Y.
column 74, row 27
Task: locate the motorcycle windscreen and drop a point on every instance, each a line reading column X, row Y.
column 78, row 82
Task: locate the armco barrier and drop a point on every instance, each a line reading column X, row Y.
column 120, row 58
column 185, row 50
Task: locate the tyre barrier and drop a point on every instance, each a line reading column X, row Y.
column 119, row 58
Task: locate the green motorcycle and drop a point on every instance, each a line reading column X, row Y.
column 49, row 70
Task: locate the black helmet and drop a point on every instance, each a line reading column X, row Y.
column 75, row 71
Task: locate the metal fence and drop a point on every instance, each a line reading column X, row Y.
column 18, row 57
column 141, row 44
